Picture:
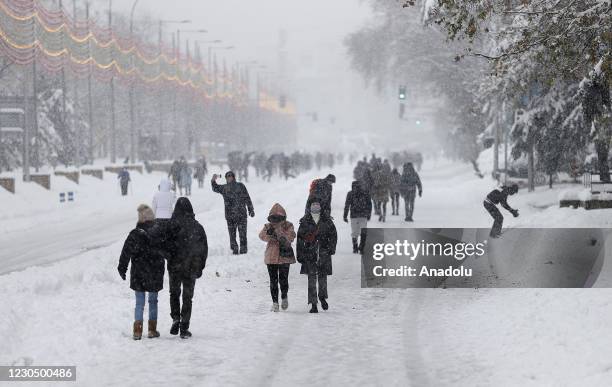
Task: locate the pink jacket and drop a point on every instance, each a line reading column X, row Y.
column 282, row 229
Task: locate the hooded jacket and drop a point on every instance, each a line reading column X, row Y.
column 147, row 262
column 186, row 242
column 358, row 202
column 278, row 231
column 163, row 200
column 236, row 198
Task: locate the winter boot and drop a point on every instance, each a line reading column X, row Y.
column 174, row 329
column 153, row 333
column 355, row 247
column 285, row 303
column 362, row 240
column 324, row 304
column 137, row 330
column 185, row 334
column 314, row 309
column 274, row 307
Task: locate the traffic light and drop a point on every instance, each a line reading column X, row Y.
column 402, row 110
column 402, row 93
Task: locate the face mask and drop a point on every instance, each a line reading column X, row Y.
column 315, row 209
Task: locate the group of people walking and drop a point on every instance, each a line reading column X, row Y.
column 167, row 236
column 382, row 182
column 182, row 175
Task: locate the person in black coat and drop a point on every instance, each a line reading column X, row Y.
column 146, row 270
column 187, row 248
column 316, row 243
column 409, row 183
column 490, row 203
column 237, row 202
column 359, row 204
column 321, row 190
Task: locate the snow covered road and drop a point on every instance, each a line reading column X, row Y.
column 77, row 311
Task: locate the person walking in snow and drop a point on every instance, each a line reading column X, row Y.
column 200, row 171
column 279, row 234
column 185, row 179
column 321, row 190
column 396, row 180
column 124, row 180
column 146, row 270
column 187, row 248
column 495, row 197
column 409, row 184
column 359, row 204
column 316, row 244
column 237, row 203
column 175, row 174
column 163, row 200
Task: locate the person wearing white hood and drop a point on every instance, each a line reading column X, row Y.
column 164, row 199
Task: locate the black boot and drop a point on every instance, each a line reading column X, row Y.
column 174, row 329
column 362, row 240
column 314, row 309
column 355, row 248
column 185, row 334
column 324, row 304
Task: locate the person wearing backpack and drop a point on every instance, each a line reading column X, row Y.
column 279, row 234
column 321, row 190
column 359, row 204
column 146, row 271
column 185, row 240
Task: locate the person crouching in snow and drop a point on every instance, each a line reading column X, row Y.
column 279, row 234
column 146, row 271
column 490, row 203
column 316, row 243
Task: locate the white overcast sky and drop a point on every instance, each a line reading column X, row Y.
column 320, row 75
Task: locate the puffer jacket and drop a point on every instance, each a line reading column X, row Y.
column 163, row 201
column 278, row 231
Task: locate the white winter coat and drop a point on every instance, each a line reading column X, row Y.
column 163, row 201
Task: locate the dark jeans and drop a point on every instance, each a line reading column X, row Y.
column 498, row 218
column 188, row 284
column 395, row 202
column 312, row 287
column 241, row 226
column 279, row 274
column 409, row 203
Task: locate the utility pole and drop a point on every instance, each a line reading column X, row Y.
column 89, row 91
column 79, row 135
column 160, row 99
column 113, row 153
column 131, row 93
column 65, row 125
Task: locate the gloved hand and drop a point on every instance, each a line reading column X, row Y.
column 515, row 213
column 368, row 218
column 346, row 220
column 252, row 213
column 420, row 193
column 122, row 275
column 270, row 231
